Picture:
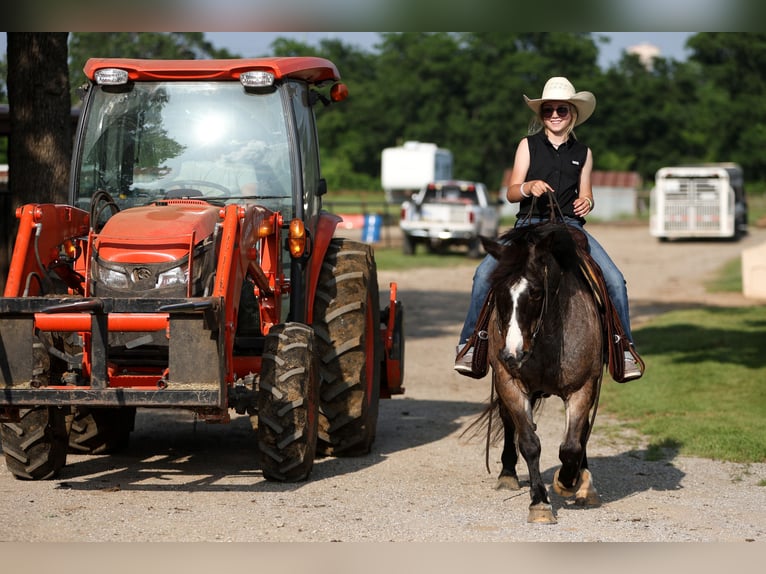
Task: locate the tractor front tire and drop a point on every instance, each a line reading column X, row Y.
column 101, row 430
column 288, row 403
column 35, row 446
column 347, row 324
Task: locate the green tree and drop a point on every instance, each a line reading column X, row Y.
column 635, row 125
column 40, row 144
column 421, row 88
column 732, row 84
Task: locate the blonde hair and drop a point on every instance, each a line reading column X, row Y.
column 536, row 124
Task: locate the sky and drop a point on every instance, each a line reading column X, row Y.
column 247, row 44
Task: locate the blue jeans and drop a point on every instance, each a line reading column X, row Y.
column 615, row 283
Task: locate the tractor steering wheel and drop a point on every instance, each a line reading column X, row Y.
column 190, row 188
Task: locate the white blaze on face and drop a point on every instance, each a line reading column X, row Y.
column 514, row 340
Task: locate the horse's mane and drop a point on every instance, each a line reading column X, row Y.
column 557, row 239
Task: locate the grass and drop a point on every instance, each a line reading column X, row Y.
column 392, row 258
column 703, row 392
column 729, row 278
column 756, row 207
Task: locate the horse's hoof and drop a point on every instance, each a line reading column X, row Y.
column 592, row 500
column 541, row 514
column 562, row 490
column 507, row 483
column 587, row 495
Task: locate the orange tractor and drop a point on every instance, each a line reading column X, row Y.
column 195, row 268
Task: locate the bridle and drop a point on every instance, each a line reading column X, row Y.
column 540, row 317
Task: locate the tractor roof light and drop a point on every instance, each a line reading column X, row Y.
column 111, row 77
column 296, row 239
column 257, row 79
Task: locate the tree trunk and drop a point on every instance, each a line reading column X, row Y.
column 40, row 141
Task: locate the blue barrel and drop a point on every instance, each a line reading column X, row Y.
column 371, row 229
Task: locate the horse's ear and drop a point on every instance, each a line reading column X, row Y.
column 492, row 247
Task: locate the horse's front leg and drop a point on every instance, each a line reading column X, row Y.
column 508, row 479
column 574, row 478
column 520, row 409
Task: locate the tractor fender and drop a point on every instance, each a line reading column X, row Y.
column 325, row 229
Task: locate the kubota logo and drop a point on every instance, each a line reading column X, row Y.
column 141, row 274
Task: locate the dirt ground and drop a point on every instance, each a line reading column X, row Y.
column 182, row 480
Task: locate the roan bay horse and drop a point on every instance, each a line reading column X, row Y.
column 545, row 339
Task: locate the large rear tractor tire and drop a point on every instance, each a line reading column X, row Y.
column 288, row 403
column 101, row 430
column 35, row 447
column 347, row 324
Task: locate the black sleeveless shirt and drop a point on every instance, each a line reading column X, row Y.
column 560, row 168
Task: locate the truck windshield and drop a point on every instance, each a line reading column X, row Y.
column 451, row 194
column 210, row 140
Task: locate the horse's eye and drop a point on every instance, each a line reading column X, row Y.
column 535, row 294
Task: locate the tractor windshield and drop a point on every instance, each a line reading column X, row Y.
column 210, row 140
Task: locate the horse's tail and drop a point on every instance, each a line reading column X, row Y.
column 483, row 428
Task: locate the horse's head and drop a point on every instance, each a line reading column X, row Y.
column 530, row 265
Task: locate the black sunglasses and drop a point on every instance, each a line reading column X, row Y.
column 562, row 111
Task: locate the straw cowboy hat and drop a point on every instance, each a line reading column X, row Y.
column 560, row 89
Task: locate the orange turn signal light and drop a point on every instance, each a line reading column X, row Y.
column 266, row 228
column 70, row 249
column 296, row 239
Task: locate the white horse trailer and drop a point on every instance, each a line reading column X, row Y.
column 696, row 201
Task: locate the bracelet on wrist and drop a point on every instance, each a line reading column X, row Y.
column 590, row 203
column 521, row 191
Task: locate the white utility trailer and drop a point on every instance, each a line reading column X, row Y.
column 697, row 201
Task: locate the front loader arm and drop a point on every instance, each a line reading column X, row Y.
column 45, row 230
column 250, row 244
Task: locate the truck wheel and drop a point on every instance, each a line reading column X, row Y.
column 35, row 447
column 288, row 403
column 347, row 324
column 101, row 430
column 409, row 244
column 474, row 248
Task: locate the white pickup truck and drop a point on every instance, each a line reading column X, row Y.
column 449, row 212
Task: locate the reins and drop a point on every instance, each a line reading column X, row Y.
column 543, row 307
column 555, row 210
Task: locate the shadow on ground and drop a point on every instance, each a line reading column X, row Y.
column 172, row 450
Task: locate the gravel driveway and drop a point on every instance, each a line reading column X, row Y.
column 185, row 481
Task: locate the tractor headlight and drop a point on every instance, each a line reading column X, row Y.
column 175, row 276
column 111, row 277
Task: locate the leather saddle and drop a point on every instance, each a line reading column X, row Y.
column 615, row 342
